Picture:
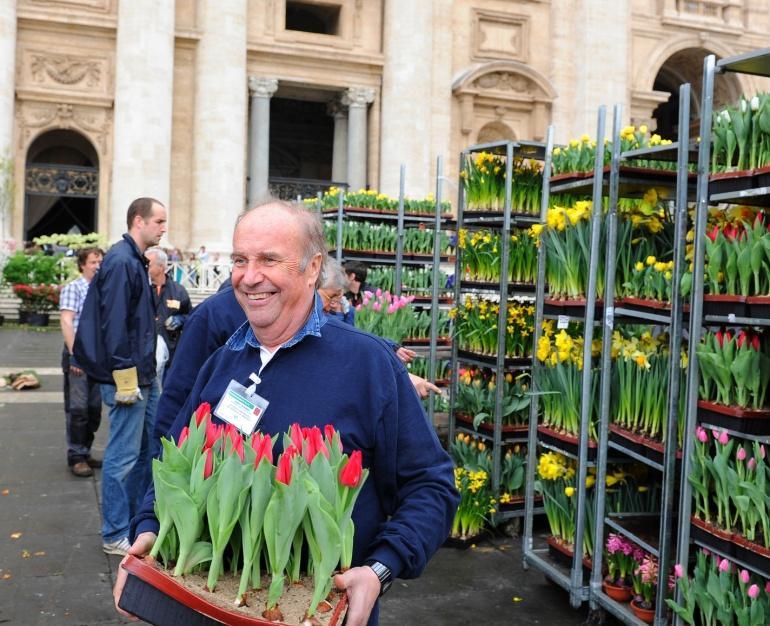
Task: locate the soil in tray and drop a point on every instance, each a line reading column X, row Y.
column 643, row 304
column 710, row 535
column 293, row 603
column 751, row 422
column 463, row 543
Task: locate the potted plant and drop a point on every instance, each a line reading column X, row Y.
column 35, row 281
column 228, row 514
column 645, row 583
column 619, row 554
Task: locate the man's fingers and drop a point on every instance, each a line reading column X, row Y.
column 141, row 547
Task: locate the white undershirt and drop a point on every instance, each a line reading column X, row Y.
column 265, row 355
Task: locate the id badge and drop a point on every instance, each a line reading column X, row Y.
column 173, row 304
column 241, row 409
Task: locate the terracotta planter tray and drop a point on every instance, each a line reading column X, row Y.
column 563, row 553
column 731, row 182
column 724, row 305
column 489, row 428
column 495, row 286
column 758, row 306
column 491, row 360
column 425, row 341
column 712, row 536
column 751, row 553
column 160, row 599
column 749, row 421
column 463, row 543
column 518, row 504
column 762, row 176
column 564, row 441
column 643, row 305
column 568, row 177
column 640, row 444
column 573, row 308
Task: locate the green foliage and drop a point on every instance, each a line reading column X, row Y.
column 73, row 242
column 32, row 269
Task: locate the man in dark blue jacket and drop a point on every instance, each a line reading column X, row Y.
column 348, row 378
column 115, row 345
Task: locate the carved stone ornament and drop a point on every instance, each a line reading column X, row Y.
column 504, row 81
column 94, row 122
column 65, row 69
column 358, row 96
column 262, row 87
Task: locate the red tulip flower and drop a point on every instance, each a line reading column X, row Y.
column 208, row 468
column 719, row 338
column 314, row 443
column 296, row 436
column 741, row 338
column 755, row 342
column 350, row 475
column 213, row 432
column 713, row 233
column 263, row 449
column 183, row 436
column 203, row 410
column 283, row 475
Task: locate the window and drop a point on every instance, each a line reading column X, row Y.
column 312, row 17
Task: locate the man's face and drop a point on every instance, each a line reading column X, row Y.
column 269, row 284
column 155, row 269
column 153, row 228
column 93, row 261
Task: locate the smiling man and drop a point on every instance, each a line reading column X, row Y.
column 317, row 370
column 115, row 345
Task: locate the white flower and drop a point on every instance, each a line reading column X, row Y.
column 755, row 103
column 743, row 105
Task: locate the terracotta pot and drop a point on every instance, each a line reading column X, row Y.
column 159, row 599
column 646, row 615
column 618, row 593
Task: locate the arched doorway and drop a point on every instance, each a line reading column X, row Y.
column 495, row 131
column 61, row 185
column 686, row 66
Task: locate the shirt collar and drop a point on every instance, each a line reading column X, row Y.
column 245, row 335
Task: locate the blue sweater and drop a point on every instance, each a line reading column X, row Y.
column 331, row 373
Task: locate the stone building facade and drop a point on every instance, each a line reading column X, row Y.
column 209, row 104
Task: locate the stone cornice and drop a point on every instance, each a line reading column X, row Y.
column 72, row 97
column 55, row 21
column 312, row 54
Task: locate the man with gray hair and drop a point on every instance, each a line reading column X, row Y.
column 349, row 379
column 172, row 304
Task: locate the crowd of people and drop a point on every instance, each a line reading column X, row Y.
column 285, row 320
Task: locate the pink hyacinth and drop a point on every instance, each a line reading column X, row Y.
column 614, row 543
column 753, row 591
column 724, row 565
column 678, row 570
column 741, row 454
column 744, row 575
column 701, row 434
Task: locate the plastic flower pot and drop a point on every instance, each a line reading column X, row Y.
column 751, row 553
column 160, row 599
column 748, row 421
column 564, row 441
column 710, row 535
column 619, row 593
column 758, row 306
column 646, row 615
column 33, row 319
column 762, row 176
column 729, row 182
column 724, row 305
column 463, row 543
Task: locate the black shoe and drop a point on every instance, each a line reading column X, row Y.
column 81, row 470
column 94, row 463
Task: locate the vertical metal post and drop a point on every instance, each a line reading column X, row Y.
column 340, row 217
column 606, row 356
column 696, row 311
column 434, row 291
column 400, row 232
column 576, row 573
column 453, row 375
column 530, row 468
column 675, row 345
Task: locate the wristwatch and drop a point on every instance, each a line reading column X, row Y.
column 383, row 573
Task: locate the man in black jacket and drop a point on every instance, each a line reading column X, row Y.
column 172, row 305
column 115, row 345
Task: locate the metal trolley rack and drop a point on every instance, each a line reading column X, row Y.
column 757, row 63
column 504, row 222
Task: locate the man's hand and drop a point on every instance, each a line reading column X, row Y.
column 422, row 386
column 405, row 355
column 363, row 589
column 141, row 547
column 173, row 322
column 75, row 370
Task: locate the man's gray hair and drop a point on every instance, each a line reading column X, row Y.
column 313, row 242
column 161, row 258
column 334, row 277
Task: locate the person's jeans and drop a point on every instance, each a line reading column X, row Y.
column 83, row 411
column 127, row 469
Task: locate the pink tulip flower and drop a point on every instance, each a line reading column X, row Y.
column 753, row 592
column 744, row 575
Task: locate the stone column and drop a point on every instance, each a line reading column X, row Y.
column 144, row 82
column 220, row 120
column 407, row 119
column 261, row 90
column 7, row 97
column 357, row 99
column 340, row 147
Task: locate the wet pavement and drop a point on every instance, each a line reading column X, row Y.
column 53, row 571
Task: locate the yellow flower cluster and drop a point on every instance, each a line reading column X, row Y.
column 487, row 162
column 476, row 444
column 661, row 267
column 553, row 466
column 476, row 480
column 563, row 349
column 629, row 133
column 558, row 218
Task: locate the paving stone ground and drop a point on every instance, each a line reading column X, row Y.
column 54, row 572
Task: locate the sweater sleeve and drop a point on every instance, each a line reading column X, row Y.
column 415, row 480
column 115, row 302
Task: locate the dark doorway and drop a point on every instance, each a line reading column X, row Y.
column 301, row 139
column 61, row 185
